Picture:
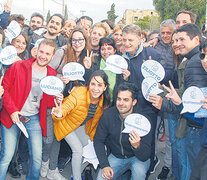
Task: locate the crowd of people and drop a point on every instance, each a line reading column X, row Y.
column 59, row 127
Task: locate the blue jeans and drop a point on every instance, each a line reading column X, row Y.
column 119, row 166
column 51, row 146
column 9, row 140
column 193, row 144
column 180, row 161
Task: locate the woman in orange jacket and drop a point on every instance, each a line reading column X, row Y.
column 77, row 118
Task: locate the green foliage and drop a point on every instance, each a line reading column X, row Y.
column 48, row 16
column 111, row 14
column 148, row 22
column 169, row 8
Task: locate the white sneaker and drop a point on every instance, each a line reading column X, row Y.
column 55, row 175
column 44, row 168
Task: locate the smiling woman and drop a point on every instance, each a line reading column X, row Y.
column 77, row 118
column 20, row 43
column 107, row 48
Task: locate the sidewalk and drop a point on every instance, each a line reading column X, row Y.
column 67, row 170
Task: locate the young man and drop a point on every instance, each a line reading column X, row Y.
column 54, row 27
column 127, row 151
column 187, row 39
column 99, row 30
column 23, row 99
column 36, row 23
column 185, row 17
column 36, row 20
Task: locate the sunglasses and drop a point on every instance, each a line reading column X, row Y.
column 202, row 55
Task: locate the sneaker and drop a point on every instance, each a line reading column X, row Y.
column 154, row 165
column 62, row 163
column 55, row 175
column 44, row 168
column 23, row 168
column 163, row 174
column 88, row 174
column 12, row 169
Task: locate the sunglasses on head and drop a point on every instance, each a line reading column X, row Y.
column 202, row 55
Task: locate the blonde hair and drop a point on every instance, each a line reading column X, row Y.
column 102, row 25
column 118, row 27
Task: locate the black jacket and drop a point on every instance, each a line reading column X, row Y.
column 136, row 76
column 109, row 133
column 194, row 75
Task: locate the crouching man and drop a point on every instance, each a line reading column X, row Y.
column 127, row 151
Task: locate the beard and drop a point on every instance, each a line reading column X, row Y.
column 51, row 34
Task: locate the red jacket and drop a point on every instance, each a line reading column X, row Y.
column 17, row 84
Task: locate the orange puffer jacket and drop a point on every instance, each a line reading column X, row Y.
column 75, row 110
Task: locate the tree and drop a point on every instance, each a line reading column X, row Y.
column 48, row 16
column 148, row 22
column 169, row 8
column 111, row 14
column 66, row 12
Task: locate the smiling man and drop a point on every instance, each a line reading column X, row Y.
column 167, row 28
column 99, row 31
column 24, row 101
column 185, row 17
column 136, row 54
column 54, row 27
column 164, row 47
column 128, row 151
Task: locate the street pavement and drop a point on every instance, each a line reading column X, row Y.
column 67, row 171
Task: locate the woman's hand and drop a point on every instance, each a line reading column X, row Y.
column 126, row 74
column 59, row 98
column 34, row 52
column 70, row 91
column 173, row 95
column 7, row 6
column 205, row 103
column 18, row 58
column 65, row 79
column 87, row 61
column 1, row 87
column 57, row 111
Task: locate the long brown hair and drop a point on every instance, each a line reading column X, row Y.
column 70, row 53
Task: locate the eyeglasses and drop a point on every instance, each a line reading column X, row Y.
column 80, row 41
column 202, row 55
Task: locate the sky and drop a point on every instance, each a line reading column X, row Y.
column 96, row 9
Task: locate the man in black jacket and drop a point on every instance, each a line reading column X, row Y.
column 127, row 151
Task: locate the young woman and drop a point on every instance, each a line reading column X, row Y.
column 77, row 118
column 21, row 43
column 108, row 47
column 117, row 36
column 78, row 49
